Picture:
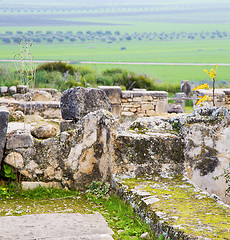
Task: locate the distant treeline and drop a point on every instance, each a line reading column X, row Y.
column 106, row 36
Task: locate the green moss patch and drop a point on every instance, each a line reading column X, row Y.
column 180, row 205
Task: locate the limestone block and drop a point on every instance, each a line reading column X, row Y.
column 137, row 99
column 68, row 125
column 32, row 185
column 140, row 89
column 4, row 117
column 131, row 105
column 140, row 115
column 139, row 93
column 133, row 110
column 158, row 94
column 49, row 172
column 38, row 95
column 78, row 102
column 15, row 160
column 113, row 93
column 126, row 94
column 12, row 90
column 175, row 108
column 3, row 91
column 51, row 113
column 44, row 131
column 162, row 106
column 127, row 114
column 150, row 112
column 139, row 110
column 146, row 107
column 22, row 89
column 116, row 110
column 124, row 100
column 19, row 139
column 31, row 166
column 147, row 98
column 19, row 96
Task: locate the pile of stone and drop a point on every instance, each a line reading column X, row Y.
column 23, row 92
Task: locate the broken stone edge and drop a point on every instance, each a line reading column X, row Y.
column 157, row 225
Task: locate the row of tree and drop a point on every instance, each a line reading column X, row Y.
column 106, row 36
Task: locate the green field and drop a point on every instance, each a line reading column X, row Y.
column 129, row 18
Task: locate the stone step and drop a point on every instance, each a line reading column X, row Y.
column 176, row 208
column 55, row 226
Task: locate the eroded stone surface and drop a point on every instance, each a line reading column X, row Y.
column 15, row 160
column 77, row 102
column 75, row 158
column 19, row 139
column 4, row 117
column 55, row 226
column 176, row 208
column 44, row 131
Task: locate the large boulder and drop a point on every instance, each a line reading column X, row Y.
column 4, row 117
column 78, row 102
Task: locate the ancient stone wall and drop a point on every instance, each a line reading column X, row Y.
column 46, row 102
column 136, row 103
column 72, row 158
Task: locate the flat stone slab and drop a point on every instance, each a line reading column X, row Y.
column 176, row 208
column 55, row 226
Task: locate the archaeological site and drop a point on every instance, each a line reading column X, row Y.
column 169, row 165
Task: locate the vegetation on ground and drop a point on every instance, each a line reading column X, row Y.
column 119, row 215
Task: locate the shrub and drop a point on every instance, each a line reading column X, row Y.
column 57, row 66
column 129, row 80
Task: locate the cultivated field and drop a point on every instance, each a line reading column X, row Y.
column 122, row 31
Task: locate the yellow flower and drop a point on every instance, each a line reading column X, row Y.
column 202, row 86
column 204, row 98
column 212, row 72
column 4, row 189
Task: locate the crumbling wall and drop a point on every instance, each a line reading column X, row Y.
column 74, row 158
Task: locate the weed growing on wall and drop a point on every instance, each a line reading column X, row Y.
column 212, row 74
column 25, row 66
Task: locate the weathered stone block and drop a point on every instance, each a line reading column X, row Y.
column 113, row 93
column 19, row 139
column 139, row 93
column 38, row 95
column 15, row 160
column 137, row 99
column 162, row 106
column 147, row 98
column 3, row 91
column 22, row 89
column 128, row 114
column 77, row 102
column 116, row 110
column 150, row 112
column 4, row 117
column 44, row 131
column 68, row 125
column 158, row 94
column 12, row 90
column 127, row 94
column 146, row 107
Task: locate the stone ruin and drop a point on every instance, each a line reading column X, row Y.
column 91, row 144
